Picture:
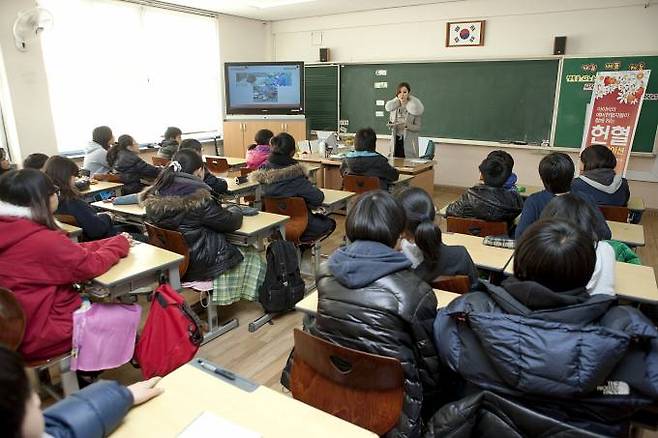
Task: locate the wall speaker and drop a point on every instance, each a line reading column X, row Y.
column 324, row 55
column 560, row 45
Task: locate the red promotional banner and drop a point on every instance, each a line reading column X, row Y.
column 614, row 111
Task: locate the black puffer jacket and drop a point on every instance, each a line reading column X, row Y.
column 570, row 355
column 131, row 170
column 365, row 163
column 488, row 414
column 370, row 300
column 487, row 203
column 188, row 206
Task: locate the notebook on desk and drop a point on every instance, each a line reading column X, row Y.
column 210, row 425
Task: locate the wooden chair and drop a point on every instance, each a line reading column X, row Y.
column 109, row 177
column 614, row 213
column 12, row 330
column 160, row 161
column 459, row 284
column 67, row 219
column 360, row 184
column 175, row 242
column 475, row 227
column 296, row 209
column 362, row 388
column 217, row 165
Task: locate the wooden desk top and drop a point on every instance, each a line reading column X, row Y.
column 190, row 391
column 412, row 166
column 332, row 197
column 486, row 257
column 70, row 230
column 129, row 209
column 232, row 161
column 253, row 224
column 141, row 259
column 310, row 303
column 403, row 179
column 100, row 186
column 630, row 234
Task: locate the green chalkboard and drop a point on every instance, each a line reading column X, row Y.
column 486, row 100
column 577, row 79
column 321, row 95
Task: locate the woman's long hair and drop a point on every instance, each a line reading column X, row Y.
column 123, row 143
column 30, row 188
column 60, row 170
column 420, row 211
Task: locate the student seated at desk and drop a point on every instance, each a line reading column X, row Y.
column 370, row 300
column 35, row 161
column 489, row 201
column 365, row 161
column 258, row 152
column 542, row 339
column 63, row 171
column 93, row 412
column 579, row 212
column 283, row 176
column 96, row 152
column 124, row 159
column 179, row 200
column 169, row 146
column 598, row 179
column 40, row 264
column 510, row 183
column 421, row 241
column 218, row 185
column 556, row 171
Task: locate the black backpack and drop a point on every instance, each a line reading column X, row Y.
column 283, row 286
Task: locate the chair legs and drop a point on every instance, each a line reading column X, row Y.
column 214, row 329
column 260, row 321
column 69, row 380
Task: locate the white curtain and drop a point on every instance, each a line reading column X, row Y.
column 136, row 69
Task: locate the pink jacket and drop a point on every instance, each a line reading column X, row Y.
column 257, row 156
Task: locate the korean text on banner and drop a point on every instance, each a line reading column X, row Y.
column 614, row 112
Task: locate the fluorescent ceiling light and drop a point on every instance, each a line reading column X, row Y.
column 266, row 4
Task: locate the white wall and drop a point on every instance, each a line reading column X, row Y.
column 514, row 29
column 26, row 102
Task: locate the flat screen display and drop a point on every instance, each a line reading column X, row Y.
column 264, row 88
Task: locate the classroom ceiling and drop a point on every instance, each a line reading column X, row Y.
column 272, row 10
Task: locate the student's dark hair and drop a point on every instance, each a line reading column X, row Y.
column 556, row 171
column 35, row 161
column 172, row 132
column 263, row 136
column 556, row 254
column 420, row 212
column 283, row 144
column 189, row 161
column 376, row 216
column 60, row 170
column 598, row 156
column 507, row 158
column 575, row 209
column 102, row 135
column 30, row 188
column 123, row 143
column 15, row 391
column 191, row 143
column 495, row 171
column 365, row 140
column 402, row 84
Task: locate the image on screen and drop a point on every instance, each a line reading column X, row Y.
column 263, row 87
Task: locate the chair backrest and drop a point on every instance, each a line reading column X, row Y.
column 160, row 161
column 12, row 320
column 360, row 184
column 67, row 219
column 109, row 177
column 295, row 208
column 459, row 284
column 475, row 227
column 362, row 388
column 170, row 240
column 614, row 213
column 244, row 171
column 217, row 165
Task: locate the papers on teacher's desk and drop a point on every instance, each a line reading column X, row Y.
column 210, row 425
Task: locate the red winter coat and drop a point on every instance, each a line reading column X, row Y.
column 39, row 266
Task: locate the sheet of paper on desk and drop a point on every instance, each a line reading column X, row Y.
column 209, row 425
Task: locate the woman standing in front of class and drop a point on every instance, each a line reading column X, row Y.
column 405, row 120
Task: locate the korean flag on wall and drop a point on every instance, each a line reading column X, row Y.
column 468, row 33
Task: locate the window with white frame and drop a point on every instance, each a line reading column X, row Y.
column 136, row 69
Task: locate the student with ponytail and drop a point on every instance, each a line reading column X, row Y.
column 421, row 241
column 179, row 200
column 124, row 159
